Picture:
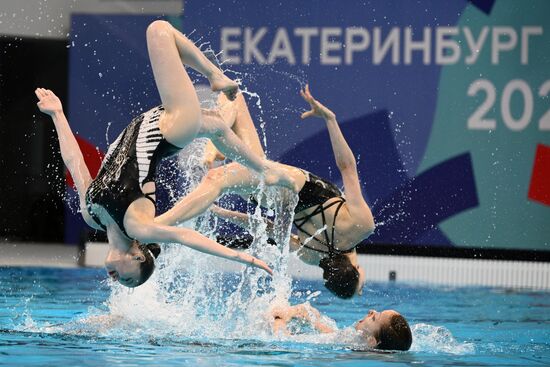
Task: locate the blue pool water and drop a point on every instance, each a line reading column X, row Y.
column 45, row 319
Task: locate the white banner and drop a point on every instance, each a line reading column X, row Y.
column 51, row 18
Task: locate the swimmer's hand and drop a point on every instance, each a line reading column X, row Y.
column 317, row 109
column 257, row 263
column 48, row 102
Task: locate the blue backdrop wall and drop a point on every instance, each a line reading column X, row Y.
column 445, row 104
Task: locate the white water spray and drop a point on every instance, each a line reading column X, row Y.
column 188, row 295
column 438, row 339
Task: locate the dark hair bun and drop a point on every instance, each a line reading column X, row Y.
column 154, row 248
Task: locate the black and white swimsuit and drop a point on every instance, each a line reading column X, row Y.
column 131, row 162
column 315, row 193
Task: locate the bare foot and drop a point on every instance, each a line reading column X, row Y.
column 221, row 83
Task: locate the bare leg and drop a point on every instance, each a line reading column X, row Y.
column 232, row 177
column 229, row 178
column 168, row 49
column 182, row 121
column 228, row 143
column 243, row 125
column 243, row 129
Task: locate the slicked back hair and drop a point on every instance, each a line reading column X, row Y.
column 151, row 251
column 395, row 336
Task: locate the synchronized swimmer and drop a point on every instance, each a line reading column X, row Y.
column 344, row 218
column 121, row 199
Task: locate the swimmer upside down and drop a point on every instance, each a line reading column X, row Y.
column 121, row 199
column 346, row 216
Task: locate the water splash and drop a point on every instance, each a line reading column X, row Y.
column 261, row 120
column 188, row 295
column 438, row 339
column 314, row 235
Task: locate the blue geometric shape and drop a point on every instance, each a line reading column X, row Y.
column 425, row 201
column 484, row 5
column 433, row 236
column 436, row 194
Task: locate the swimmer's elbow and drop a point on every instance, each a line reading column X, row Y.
column 347, row 163
column 370, row 230
column 368, row 226
column 372, row 226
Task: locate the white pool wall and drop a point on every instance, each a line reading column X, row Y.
column 407, row 269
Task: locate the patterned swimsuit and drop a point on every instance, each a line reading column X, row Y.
column 129, row 164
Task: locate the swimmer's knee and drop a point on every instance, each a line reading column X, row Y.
column 158, row 28
column 215, row 176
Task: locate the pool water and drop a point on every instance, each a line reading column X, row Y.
column 45, row 320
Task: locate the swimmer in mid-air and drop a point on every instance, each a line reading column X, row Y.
column 386, row 330
column 121, row 199
column 341, row 219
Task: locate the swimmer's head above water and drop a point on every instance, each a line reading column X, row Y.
column 386, row 330
column 342, row 277
column 134, row 267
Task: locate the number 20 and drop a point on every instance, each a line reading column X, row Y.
column 477, row 120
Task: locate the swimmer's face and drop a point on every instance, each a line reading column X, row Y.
column 125, row 267
column 362, row 278
column 372, row 323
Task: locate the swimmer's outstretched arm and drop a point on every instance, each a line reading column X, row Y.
column 50, row 104
column 146, row 231
column 342, row 152
column 304, row 311
column 345, row 160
